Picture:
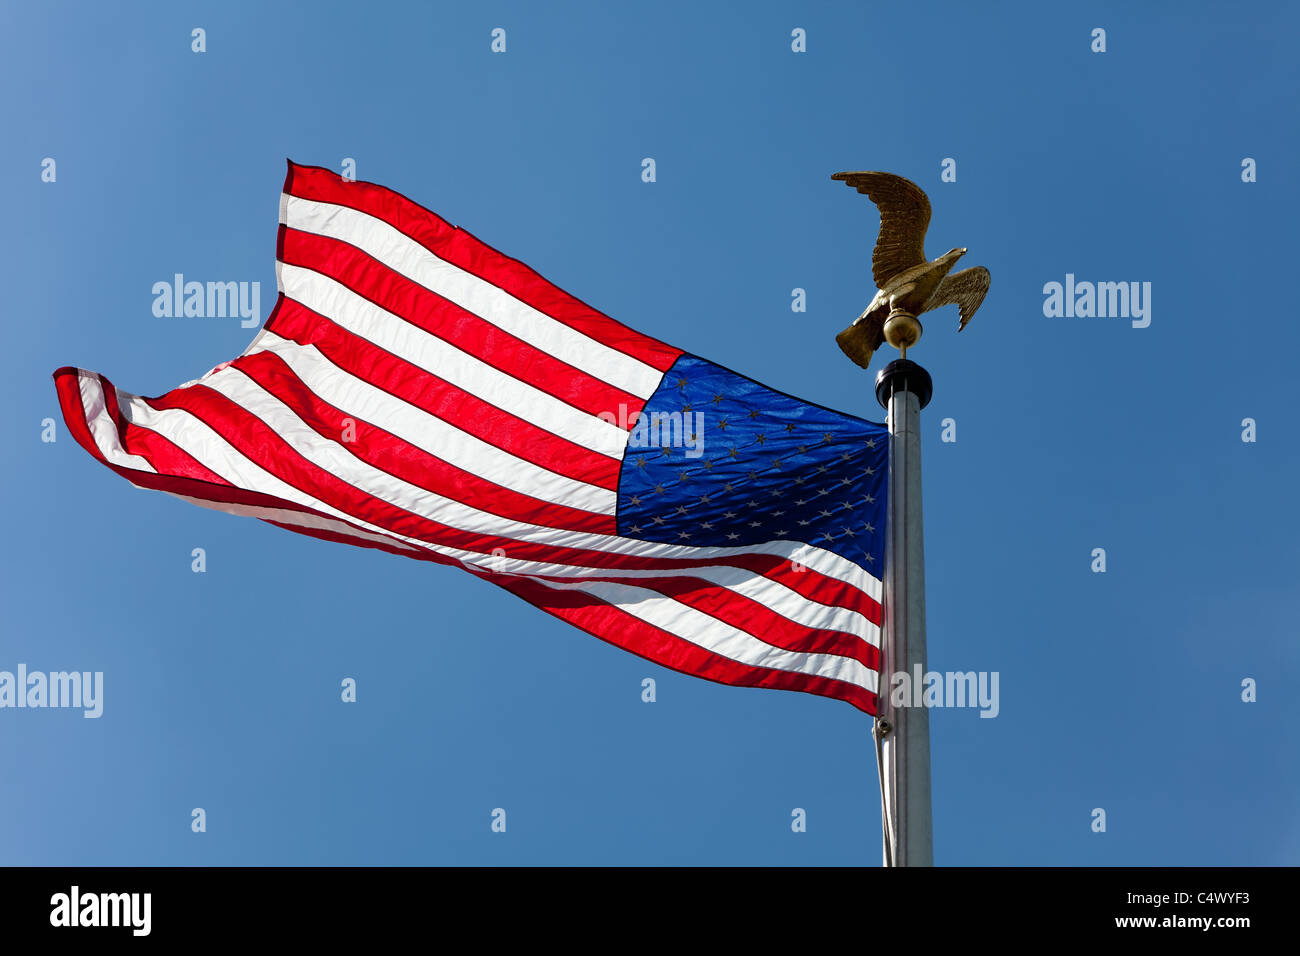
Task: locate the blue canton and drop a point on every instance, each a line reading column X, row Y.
column 719, row 460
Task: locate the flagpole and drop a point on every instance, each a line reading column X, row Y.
column 903, row 388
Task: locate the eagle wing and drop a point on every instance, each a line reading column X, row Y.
column 904, row 217
column 965, row 289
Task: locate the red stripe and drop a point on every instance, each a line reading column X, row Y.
column 67, row 385
column 414, row 385
column 165, row 456
column 812, row 584
column 474, row 256
column 67, row 382
column 412, row 302
column 623, row 629
column 403, row 460
column 745, row 614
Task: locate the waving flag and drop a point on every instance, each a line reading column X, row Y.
column 416, row 391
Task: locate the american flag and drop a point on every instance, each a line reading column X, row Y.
column 416, row 391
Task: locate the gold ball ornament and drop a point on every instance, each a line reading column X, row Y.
column 902, row 330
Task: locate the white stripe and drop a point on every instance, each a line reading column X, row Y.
column 404, row 255
column 706, row 631
column 769, row 592
column 788, row 602
column 363, row 318
column 357, row 397
column 764, row 590
column 102, row 428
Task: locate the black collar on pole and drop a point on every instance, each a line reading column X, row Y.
column 903, row 375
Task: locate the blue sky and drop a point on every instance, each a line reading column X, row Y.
column 1119, row 690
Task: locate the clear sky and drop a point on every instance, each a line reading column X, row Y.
column 1119, row 690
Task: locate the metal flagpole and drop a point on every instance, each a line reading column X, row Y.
column 903, row 727
column 907, row 285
